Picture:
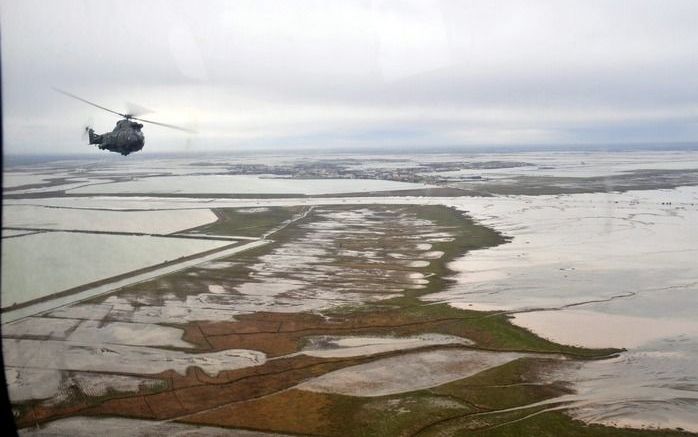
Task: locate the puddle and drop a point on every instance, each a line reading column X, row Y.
column 351, row 346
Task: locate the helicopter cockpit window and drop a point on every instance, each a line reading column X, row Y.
column 357, row 218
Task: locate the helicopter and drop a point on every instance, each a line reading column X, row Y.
column 126, row 137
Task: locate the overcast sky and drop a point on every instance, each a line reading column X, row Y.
column 409, row 74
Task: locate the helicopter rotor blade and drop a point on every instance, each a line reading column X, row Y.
column 88, row 102
column 136, row 110
column 191, row 131
column 128, row 116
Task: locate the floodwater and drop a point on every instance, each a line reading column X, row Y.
column 81, row 258
column 244, row 184
column 147, row 222
column 620, row 265
column 600, row 270
column 352, row 346
column 121, row 427
column 597, row 270
column 408, row 372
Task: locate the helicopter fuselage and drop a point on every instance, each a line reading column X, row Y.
column 124, row 139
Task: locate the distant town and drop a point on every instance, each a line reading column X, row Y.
column 391, row 170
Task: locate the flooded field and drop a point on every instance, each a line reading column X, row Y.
column 80, row 258
column 40, row 218
column 387, row 315
column 242, row 184
column 343, row 282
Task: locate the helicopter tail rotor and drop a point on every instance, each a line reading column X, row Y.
column 86, row 128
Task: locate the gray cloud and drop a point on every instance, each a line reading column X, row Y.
column 314, row 73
